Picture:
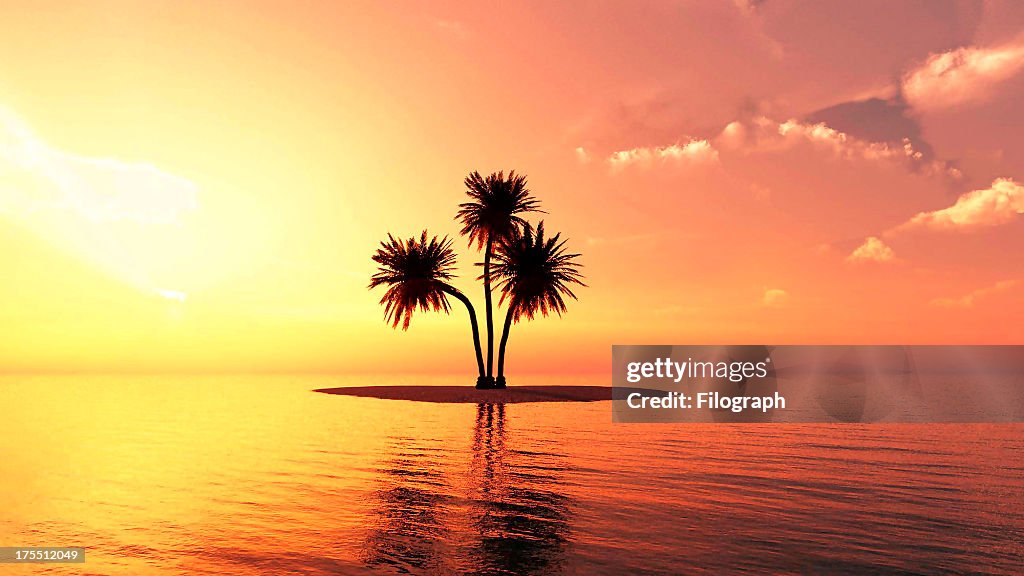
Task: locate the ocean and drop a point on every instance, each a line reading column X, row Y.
column 246, row 475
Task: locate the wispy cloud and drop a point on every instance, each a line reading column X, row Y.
column 775, row 297
column 582, row 155
column 969, row 300
column 176, row 295
column 35, row 176
column 960, row 76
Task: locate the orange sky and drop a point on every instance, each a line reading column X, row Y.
column 197, row 186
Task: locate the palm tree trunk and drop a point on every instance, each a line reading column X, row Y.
column 490, row 311
column 476, row 329
column 500, row 382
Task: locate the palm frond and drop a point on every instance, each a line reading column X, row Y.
column 496, row 201
column 535, row 273
column 416, row 273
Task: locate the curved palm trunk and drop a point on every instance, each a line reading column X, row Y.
column 500, row 382
column 476, row 332
column 490, row 311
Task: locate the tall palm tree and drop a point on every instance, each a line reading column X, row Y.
column 416, row 273
column 535, row 273
column 489, row 218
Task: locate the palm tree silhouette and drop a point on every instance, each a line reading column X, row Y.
column 416, row 273
column 491, row 217
column 534, row 274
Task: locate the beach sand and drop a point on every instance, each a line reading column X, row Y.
column 468, row 394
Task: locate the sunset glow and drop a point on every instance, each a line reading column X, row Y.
column 526, row 288
column 729, row 174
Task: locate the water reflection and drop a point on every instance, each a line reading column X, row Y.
column 202, row 476
column 503, row 513
column 411, row 518
column 522, row 518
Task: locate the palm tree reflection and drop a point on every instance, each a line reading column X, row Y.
column 514, row 519
column 411, row 519
column 521, row 519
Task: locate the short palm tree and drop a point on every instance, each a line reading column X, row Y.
column 416, row 273
column 534, row 274
column 493, row 215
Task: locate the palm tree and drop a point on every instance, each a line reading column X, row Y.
column 490, row 218
column 534, row 274
column 416, row 273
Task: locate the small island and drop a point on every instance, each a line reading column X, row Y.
column 465, row 394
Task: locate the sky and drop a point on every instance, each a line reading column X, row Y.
column 187, row 186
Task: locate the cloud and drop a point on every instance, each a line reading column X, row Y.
column 872, row 250
column 582, row 155
column 172, row 294
column 961, row 76
column 875, row 119
column 764, row 134
column 846, row 146
column 36, row 177
column 775, row 297
column 970, row 299
column 998, row 204
column 697, row 151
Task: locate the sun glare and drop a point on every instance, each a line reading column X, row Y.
column 123, row 217
column 172, row 294
column 99, row 189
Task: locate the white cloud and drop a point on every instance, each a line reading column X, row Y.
column 872, row 250
column 582, row 155
column 172, row 294
column 774, row 297
column 697, row 151
column 970, row 299
column 764, row 134
column 961, row 76
column 998, row 204
column 36, row 177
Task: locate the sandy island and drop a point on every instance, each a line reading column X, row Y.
column 470, row 395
